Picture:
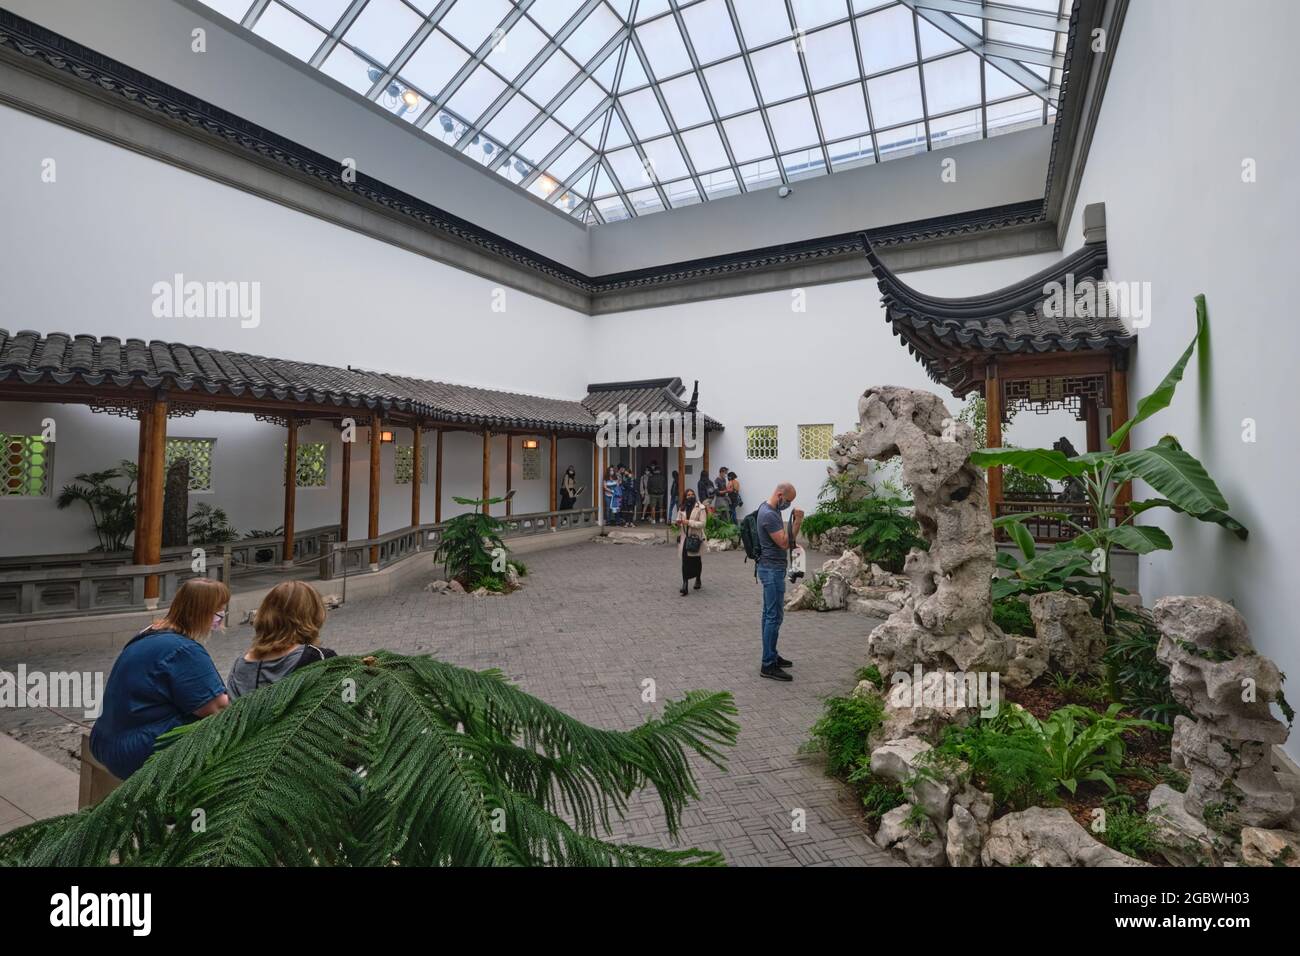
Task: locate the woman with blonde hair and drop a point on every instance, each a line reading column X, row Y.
column 163, row 678
column 286, row 635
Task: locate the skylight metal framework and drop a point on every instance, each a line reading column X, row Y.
column 610, row 109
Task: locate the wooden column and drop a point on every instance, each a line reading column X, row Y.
column 604, row 470
column 1092, row 415
column 437, row 482
column 1118, row 416
column 595, row 476
column 149, row 525
column 487, row 468
column 345, row 488
column 416, row 452
column 141, row 483
column 290, row 487
column 376, row 442
column 510, row 464
column 555, row 457
column 993, row 429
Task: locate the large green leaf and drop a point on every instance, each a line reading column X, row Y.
column 1033, row 461
column 1176, row 475
column 1213, row 516
column 1140, row 538
column 1164, row 393
column 1023, row 539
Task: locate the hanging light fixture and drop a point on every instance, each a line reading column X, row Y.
column 530, row 443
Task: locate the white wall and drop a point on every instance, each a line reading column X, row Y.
column 1197, row 88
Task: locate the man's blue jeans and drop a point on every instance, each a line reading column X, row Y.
column 773, row 580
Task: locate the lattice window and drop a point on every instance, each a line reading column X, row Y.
column 1043, row 395
column 760, row 442
column 24, row 466
column 199, row 453
column 530, row 465
column 403, row 458
column 312, row 459
column 815, row 442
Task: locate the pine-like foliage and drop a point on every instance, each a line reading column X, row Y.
column 391, row 760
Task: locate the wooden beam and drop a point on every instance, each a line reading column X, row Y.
column 290, row 487
column 151, row 512
column 510, row 464
column 595, row 475
column 555, row 458
column 437, row 482
column 376, row 442
column 1092, row 415
column 993, row 429
column 487, row 468
column 1118, row 416
column 604, row 470
column 415, row 475
column 345, row 489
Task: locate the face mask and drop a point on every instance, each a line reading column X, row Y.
column 783, row 505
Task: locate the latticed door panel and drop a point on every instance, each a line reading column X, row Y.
column 24, row 465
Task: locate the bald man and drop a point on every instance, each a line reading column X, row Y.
column 775, row 540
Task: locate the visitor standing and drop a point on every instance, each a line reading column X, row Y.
column 163, row 678
column 655, row 492
column 675, row 495
column 775, row 538
column 690, row 539
column 733, row 495
column 613, row 495
column 704, row 489
column 569, row 489
column 721, row 503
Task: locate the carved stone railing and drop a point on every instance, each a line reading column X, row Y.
column 542, row 522
column 96, row 589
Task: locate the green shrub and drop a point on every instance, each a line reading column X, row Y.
column 1128, row 830
column 1007, row 761
column 871, row 673
column 884, row 532
column 1012, row 616
column 841, row 733
column 720, row 530
column 469, row 547
column 1136, row 676
column 878, row 796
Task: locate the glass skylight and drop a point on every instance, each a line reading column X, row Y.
column 610, row 109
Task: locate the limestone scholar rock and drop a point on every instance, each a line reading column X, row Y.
column 1042, row 837
column 1075, row 640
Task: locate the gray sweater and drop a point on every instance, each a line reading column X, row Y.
column 247, row 676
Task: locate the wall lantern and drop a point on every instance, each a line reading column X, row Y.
column 530, row 443
column 386, row 437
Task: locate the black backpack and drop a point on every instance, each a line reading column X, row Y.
column 704, row 489
column 655, row 483
column 749, row 539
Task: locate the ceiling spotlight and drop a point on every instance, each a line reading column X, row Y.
column 447, row 124
column 488, row 147
column 411, row 98
column 784, row 191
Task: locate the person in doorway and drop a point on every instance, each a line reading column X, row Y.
column 674, row 497
column 643, row 493
column 286, row 637
column 569, row 489
column 163, row 678
column 775, row 539
column 613, row 495
column 721, row 503
column 704, row 489
column 655, row 493
column 690, row 540
column 628, row 512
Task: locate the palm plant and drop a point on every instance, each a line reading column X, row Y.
column 470, row 545
column 390, row 760
column 112, row 509
column 209, row 525
column 1180, row 481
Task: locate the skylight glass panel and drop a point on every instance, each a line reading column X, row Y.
column 803, row 164
column 895, row 97
column 433, row 65
column 1021, row 35
column 476, row 94
column 645, row 201
column 793, row 125
column 617, row 135
column 643, row 112
column 540, row 144
column 901, row 141
column 719, row 184
column 512, row 118
column 686, row 101
column 705, row 146
column 648, row 9
column 612, row 209
column 567, row 163
column 748, row 137
column 594, row 32
column 482, row 149
column 551, row 78
column 580, row 103
column 762, row 21
column 634, row 74
column 349, row 69
column 779, row 74
column 472, row 23
column 382, row 28
column 952, row 83
column 550, row 15
column 231, row 9
column 850, row 153
column 1014, row 114
column 814, row 13
column 682, row 193
column 289, row 32
column 729, row 84
column 604, row 186
column 605, row 73
column 760, row 175
column 516, row 48
column 629, row 170
column 665, row 159
column 843, row 111
column 955, row 128
column 997, row 85
column 663, row 46
column 324, row 13
column 831, row 57
column 887, row 38
column 934, row 42
column 711, row 34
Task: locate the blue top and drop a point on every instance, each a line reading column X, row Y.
column 157, row 683
column 771, row 554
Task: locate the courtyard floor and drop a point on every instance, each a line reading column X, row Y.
column 592, row 623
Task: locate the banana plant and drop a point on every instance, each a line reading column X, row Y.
column 1180, row 481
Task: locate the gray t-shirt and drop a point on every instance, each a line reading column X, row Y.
column 770, row 554
column 247, row 676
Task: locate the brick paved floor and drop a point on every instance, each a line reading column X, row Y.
column 593, row 622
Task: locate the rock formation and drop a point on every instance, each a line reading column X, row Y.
column 1225, row 747
column 1073, row 638
column 946, row 621
column 176, row 505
